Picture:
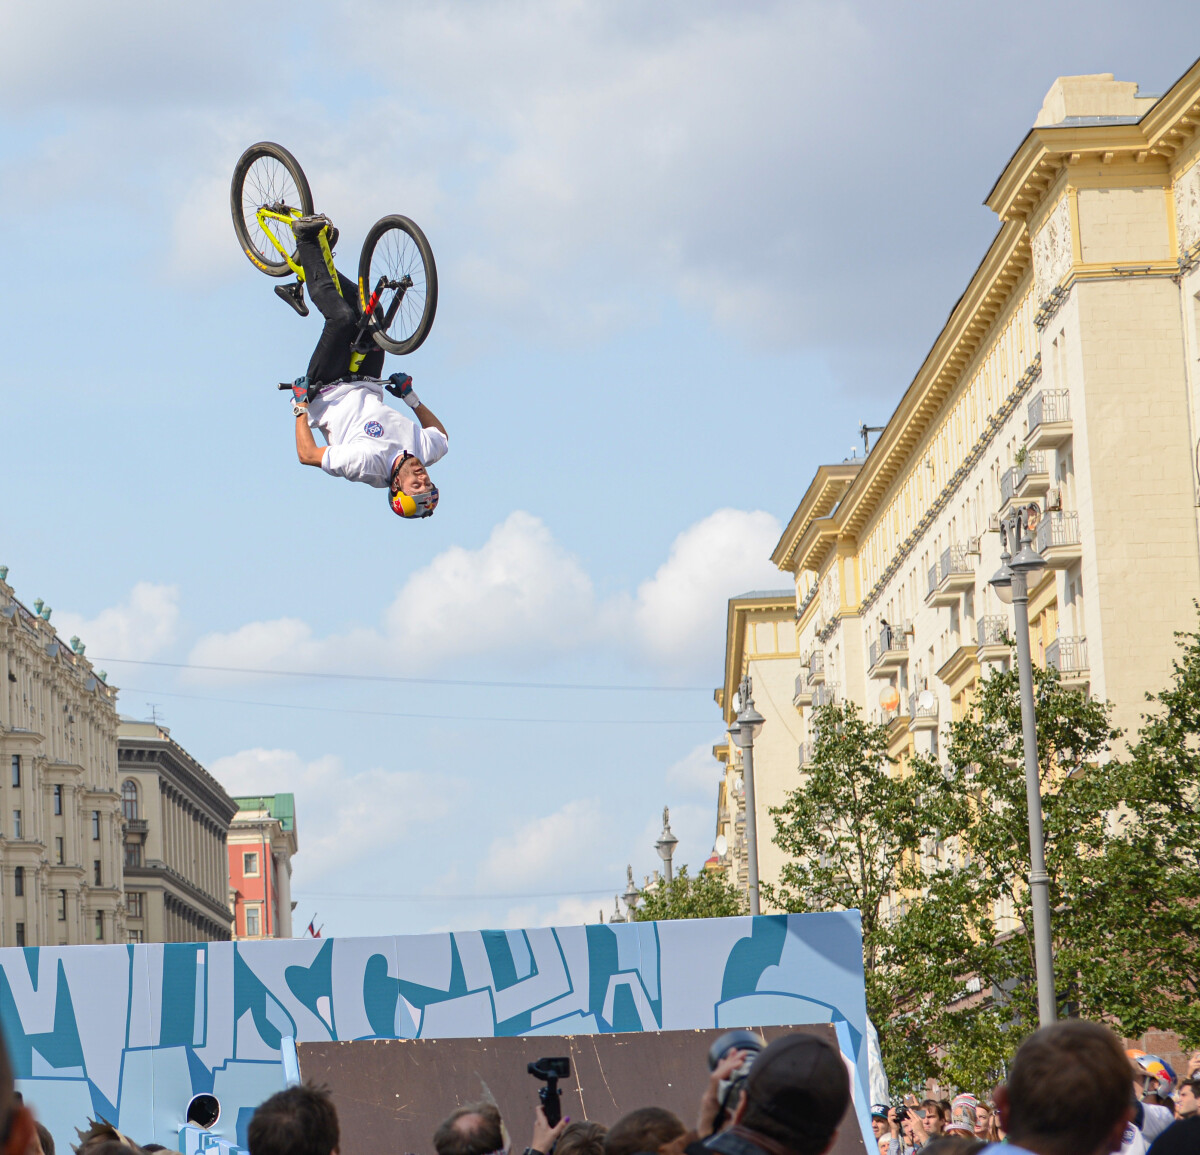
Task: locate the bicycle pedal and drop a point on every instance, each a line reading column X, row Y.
column 294, row 296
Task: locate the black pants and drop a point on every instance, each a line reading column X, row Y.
column 331, row 357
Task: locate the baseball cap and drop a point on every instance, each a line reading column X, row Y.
column 879, row 1111
column 799, row 1083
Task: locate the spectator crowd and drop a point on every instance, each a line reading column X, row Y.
column 1071, row 1089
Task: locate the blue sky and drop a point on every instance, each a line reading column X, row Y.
column 684, row 250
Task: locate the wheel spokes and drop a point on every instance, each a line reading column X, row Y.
column 269, row 184
column 397, row 257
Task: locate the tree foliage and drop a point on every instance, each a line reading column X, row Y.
column 707, row 895
column 950, row 971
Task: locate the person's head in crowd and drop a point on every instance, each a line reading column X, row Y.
column 796, row 1095
column 1067, row 1091
column 952, row 1145
column 475, row 1129
column 300, row 1120
column 16, row 1121
column 884, row 1142
column 103, row 1138
column 908, row 1128
column 963, row 1116
column 581, row 1139
column 934, row 1117
column 1159, row 1100
column 649, row 1129
column 42, row 1143
column 1187, row 1098
column 879, row 1119
column 983, row 1120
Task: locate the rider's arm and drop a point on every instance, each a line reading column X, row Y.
column 427, row 419
column 307, row 449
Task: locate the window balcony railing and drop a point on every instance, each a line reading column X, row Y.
column 816, row 667
column 825, row 695
column 1057, row 538
column 802, row 695
column 1049, row 419
column 806, row 753
column 1008, row 484
column 887, row 650
column 952, row 574
column 922, row 715
column 1035, row 466
column 992, row 630
column 1068, row 656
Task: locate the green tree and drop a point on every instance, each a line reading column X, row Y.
column 854, row 830
column 707, row 895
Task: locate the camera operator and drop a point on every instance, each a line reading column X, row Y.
column 795, row 1097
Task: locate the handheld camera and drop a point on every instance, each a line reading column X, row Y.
column 550, row 1071
column 730, row 1089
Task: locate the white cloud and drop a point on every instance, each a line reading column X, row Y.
column 680, row 612
column 343, row 815
column 140, row 627
column 523, row 595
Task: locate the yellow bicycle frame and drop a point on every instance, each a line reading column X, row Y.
column 265, row 215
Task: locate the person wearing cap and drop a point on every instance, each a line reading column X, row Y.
column 879, row 1119
column 963, row 1116
column 796, row 1095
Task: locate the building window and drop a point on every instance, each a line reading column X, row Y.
column 19, row 882
column 99, row 926
column 250, row 864
column 133, row 899
column 133, row 854
column 129, row 799
column 16, row 769
column 135, row 936
column 95, row 825
column 59, row 853
column 57, row 799
column 62, row 906
column 96, row 873
column 16, row 824
column 20, row 934
column 252, row 922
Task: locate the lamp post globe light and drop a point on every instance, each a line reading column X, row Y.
column 743, row 732
column 1011, row 583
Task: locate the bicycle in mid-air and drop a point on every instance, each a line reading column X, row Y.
column 397, row 279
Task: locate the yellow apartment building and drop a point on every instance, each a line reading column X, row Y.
column 1067, row 375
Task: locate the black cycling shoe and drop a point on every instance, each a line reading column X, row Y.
column 294, row 295
column 309, row 228
column 333, row 236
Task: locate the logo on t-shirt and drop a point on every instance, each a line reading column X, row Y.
column 374, row 429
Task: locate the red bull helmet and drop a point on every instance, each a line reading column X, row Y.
column 410, row 504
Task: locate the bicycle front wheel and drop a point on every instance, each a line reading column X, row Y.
column 267, row 177
column 397, row 252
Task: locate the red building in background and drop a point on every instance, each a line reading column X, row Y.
column 262, row 840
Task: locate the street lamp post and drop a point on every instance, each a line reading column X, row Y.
column 743, row 732
column 1011, row 584
column 665, row 845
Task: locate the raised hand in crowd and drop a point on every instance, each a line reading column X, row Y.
column 545, row 1136
column 710, row 1101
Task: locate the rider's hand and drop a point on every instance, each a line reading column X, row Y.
column 401, row 386
column 544, row 1136
column 300, row 391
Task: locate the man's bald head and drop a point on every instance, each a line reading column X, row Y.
column 475, row 1129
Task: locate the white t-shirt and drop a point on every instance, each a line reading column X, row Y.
column 1155, row 1120
column 365, row 435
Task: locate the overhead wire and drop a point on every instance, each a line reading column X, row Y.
column 321, row 674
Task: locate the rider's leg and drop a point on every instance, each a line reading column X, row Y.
column 331, row 357
column 369, row 364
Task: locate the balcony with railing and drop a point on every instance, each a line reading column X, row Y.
column 991, row 632
column 887, row 652
column 1033, row 474
column 1069, row 657
column 922, row 710
column 1057, row 538
column 806, row 754
column 825, row 694
column 816, row 667
column 953, row 574
column 1049, row 419
column 802, row 695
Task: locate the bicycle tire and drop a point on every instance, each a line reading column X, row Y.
column 395, row 246
column 268, row 186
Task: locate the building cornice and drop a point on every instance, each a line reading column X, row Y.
column 823, row 493
column 180, row 769
column 183, row 889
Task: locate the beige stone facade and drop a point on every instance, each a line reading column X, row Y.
column 1067, row 376
column 176, row 819
column 761, row 642
column 60, row 828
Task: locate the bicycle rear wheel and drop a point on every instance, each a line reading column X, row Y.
column 396, row 249
column 268, row 176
